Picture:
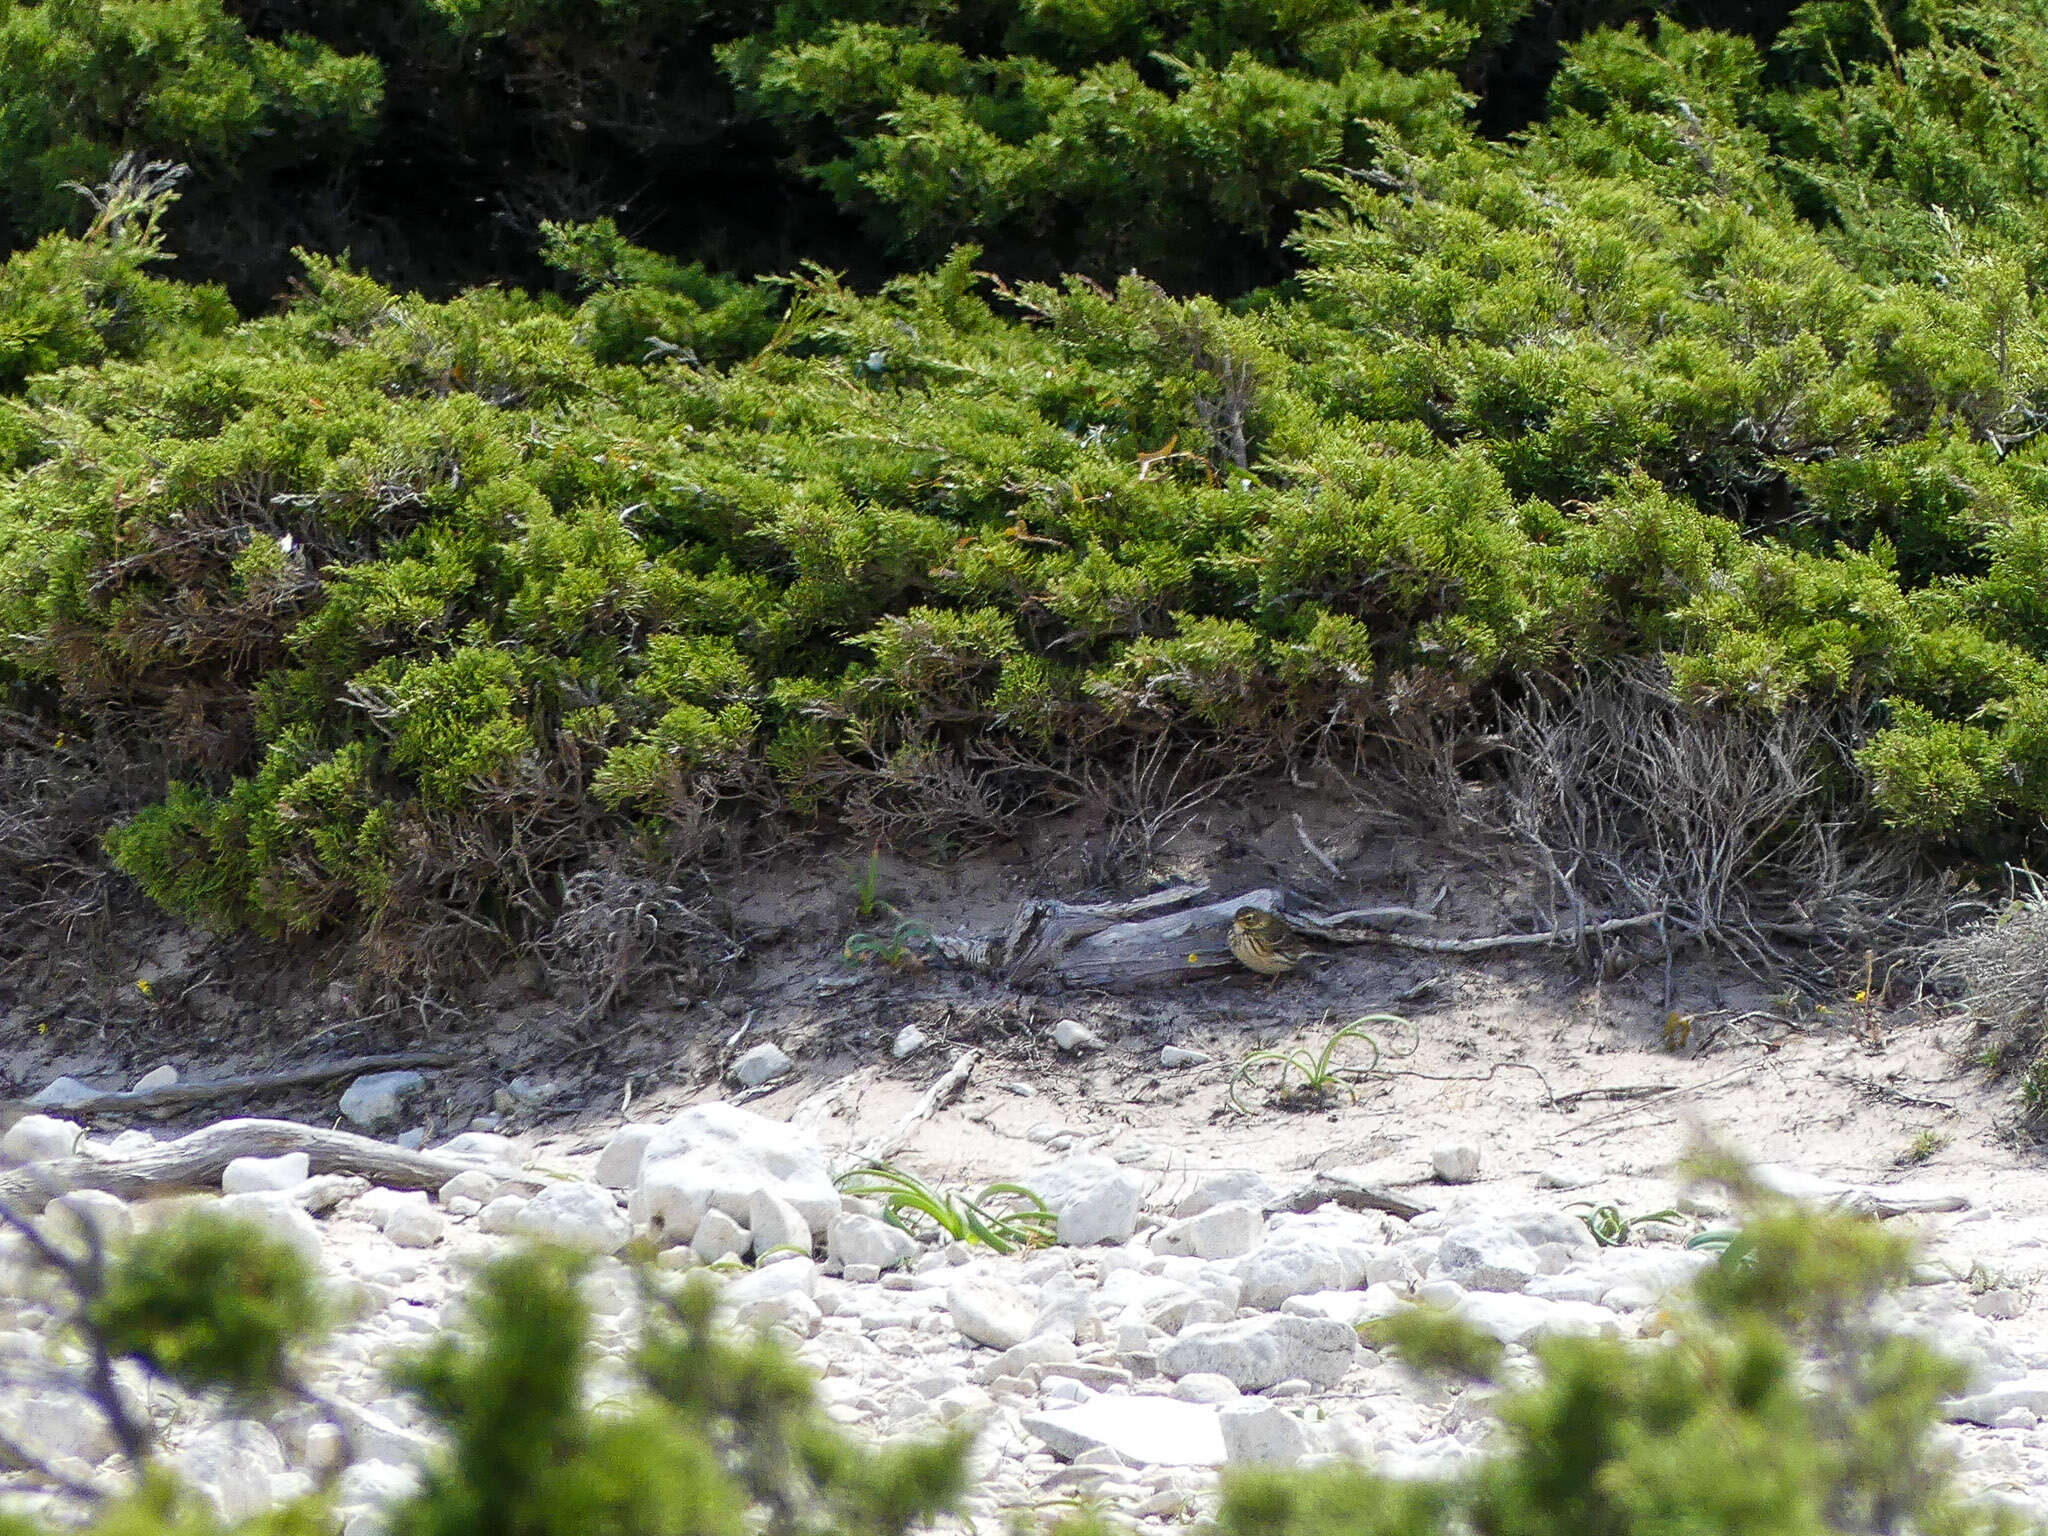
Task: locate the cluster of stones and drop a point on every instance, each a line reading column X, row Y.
column 1183, row 1323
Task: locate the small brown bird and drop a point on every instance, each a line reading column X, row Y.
column 1263, row 942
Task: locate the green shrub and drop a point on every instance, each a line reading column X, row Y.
column 1772, row 1404
column 390, row 585
column 210, row 1302
column 1773, row 1401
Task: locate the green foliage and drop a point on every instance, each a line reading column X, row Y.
column 1319, row 1071
column 1004, row 1216
column 413, row 602
column 1775, row 1404
column 1105, row 134
column 901, row 948
column 210, row 1302
column 87, row 80
column 1611, row 1226
column 70, row 301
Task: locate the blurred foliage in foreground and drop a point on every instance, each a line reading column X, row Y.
column 1773, row 1401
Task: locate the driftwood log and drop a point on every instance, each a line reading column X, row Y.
column 197, row 1161
column 1352, row 1194
column 1180, row 934
column 173, row 1095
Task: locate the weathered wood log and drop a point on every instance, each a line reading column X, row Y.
column 1146, row 942
column 1325, row 1188
column 196, row 1161
column 199, row 1092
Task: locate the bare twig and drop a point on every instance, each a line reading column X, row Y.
column 1480, row 945
column 1322, row 858
column 930, row 1102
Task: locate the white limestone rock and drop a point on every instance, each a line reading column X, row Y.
column 1989, row 1406
column 1230, row 1184
column 414, row 1223
column 1524, row 1319
column 1259, row 1351
column 230, row 1465
column 1095, row 1200
column 1296, row 1266
column 472, row 1184
column 62, row 1093
column 1072, row 1035
column 573, row 1213
column 1485, row 1256
column 72, row 1215
column 718, row 1236
column 1142, row 1431
column 379, row 1099
column 989, row 1312
column 777, row 1225
column 1263, row 1434
column 280, row 1215
column 852, row 1240
column 286, row 1171
column 501, row 1217
column 1455, row 1162
column 764, row 1062
column 40, row 1139
column 1226, row 1231
column 718, row 1155
column 618, row 1165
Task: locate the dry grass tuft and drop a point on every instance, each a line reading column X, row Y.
column 1730, row 825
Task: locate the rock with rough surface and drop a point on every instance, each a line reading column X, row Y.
column 500, row 1217
column 1259, row 1351
column 1295, row 1266
column 1263, row 1434
column 286, row 1171
column 777, row 1226
column 1522, row 1319
column 40, row 1139
column 1073, row 1035
column 718, row 1236
column 379, row 1099
column 618, row 1165
column 1142, row 1431
column 1231, row 1184
column 757, row 1066
column 62, row 1094
column 1226, row 1231
column 471, row 1184
column 852, row 1239
column 1485, row 1256
column 107, row 1217
column 569, row 1212
column 280, row 1215
column 989, row 1312
column 719, row 1155
column 230, row 1465
column 1095, row 1200
column 415, row 1223
column 1989, row 1406
column 1455, row 1162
